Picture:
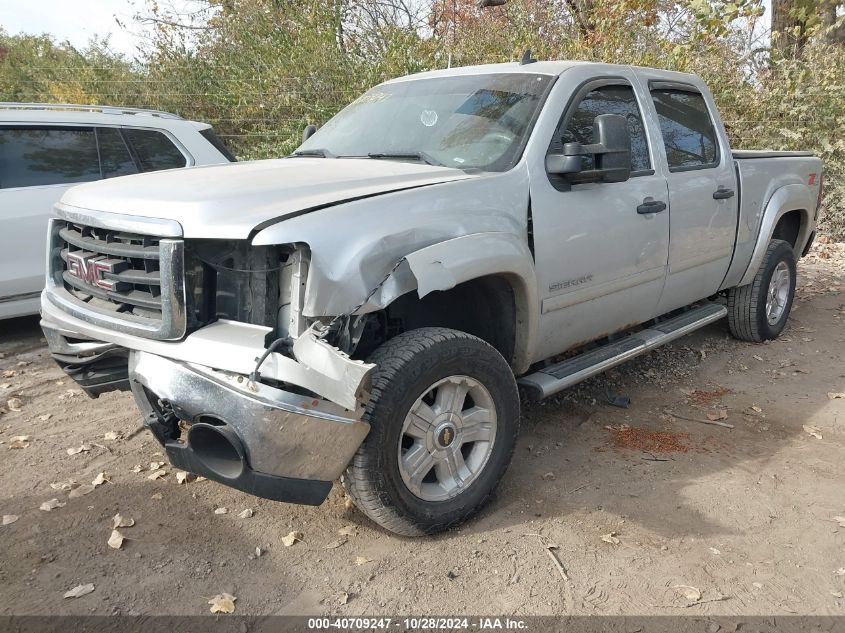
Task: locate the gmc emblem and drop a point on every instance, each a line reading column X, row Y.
column 91, row 270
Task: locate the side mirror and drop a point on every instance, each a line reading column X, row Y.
column 308, row 132
column 611, row 152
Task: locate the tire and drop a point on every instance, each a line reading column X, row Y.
column 748, row 311
column 381, row 478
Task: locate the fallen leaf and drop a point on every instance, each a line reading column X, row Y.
column 756, row 409
column 692, row 594
column 758, row 585
column 119, row 521
column 82, row 448
column 246, row 514
column 834, row 396
column 157, row 474
column 836, row 594
column 221, row 510
column 814, row 431
column 549, row 476
column 9, row 373
column 52, row 504
column 223, row 603
column 156, row 496
column 183, row 477
column 362, row 560
column 839, row 572
column 99, row 480
column 137, row 468
column 344, row 597
column 111, row 435
column 19, row 441
column 45, row 417
column 335, row 544
column 292, row 538
column 14, row 404
column 610, row 538
column 721, row 414
column 759, row 358
column 81, row 491
column 348, row 530
column 258, row 552
column 79, row 591
column 65, row 486
column 156, row 465
column 714, row 551
column 8, row 519
column 115, row 540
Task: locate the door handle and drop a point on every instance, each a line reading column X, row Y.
column 723, row 193
column 650, row 205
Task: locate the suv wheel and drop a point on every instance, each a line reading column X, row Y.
column 759, row 311
column 444, row 418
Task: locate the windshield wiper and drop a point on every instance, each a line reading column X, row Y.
column 319, row 153
column 418, row 156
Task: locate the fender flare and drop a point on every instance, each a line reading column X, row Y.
column 444, row 265
column 794, row 197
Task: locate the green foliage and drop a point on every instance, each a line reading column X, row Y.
column 260, row 70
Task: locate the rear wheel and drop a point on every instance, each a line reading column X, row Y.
column 444, row 417
column 759, row 311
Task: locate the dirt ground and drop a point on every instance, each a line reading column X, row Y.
column 651, row 513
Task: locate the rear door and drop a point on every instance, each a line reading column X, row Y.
column 601, row 258
column 702, row 192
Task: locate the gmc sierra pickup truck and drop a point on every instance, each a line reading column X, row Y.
column 366, row 308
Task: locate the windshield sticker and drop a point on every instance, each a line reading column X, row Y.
column 372, row 97
column 428, row 118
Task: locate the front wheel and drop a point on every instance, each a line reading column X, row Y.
column 444, row 418
column 759, row 311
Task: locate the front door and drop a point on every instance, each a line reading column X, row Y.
column 601, row 255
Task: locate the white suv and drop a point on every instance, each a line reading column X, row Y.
column 46, row 149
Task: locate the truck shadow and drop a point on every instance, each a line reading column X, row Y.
column 576, row 459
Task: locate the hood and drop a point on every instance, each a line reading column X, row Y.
column 229, row 201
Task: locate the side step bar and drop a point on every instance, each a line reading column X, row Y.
column 571, row 371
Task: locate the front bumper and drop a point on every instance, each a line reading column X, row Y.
column 265, row 441
column 286, row 442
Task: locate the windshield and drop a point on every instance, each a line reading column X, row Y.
column 473, row 121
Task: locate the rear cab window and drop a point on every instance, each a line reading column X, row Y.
column 686, row 126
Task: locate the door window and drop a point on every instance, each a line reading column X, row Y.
column 611, row 99
column 114, row 154
column 154, row 150
column 31, row 157
column 688, row 133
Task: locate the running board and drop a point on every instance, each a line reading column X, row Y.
column 571, row 371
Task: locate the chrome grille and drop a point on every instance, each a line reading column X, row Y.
column 122, row 280
column 130, row 266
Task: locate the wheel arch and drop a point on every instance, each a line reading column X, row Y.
column 789, row 206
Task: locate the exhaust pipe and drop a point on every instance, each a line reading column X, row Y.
column 217, row 447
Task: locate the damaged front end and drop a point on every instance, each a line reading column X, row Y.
column 189, row 327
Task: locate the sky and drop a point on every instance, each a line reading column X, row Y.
column 74, row 20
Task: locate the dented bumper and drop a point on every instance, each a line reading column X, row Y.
column 264, row 441
column 286, row 442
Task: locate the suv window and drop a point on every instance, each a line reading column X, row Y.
column 31, row 156
column 688, row 133
column 154, row 150
column 114, row 154
column 612, row 99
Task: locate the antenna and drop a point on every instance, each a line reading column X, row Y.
column 526, row 58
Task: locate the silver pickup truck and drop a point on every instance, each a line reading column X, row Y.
column 368, row 307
